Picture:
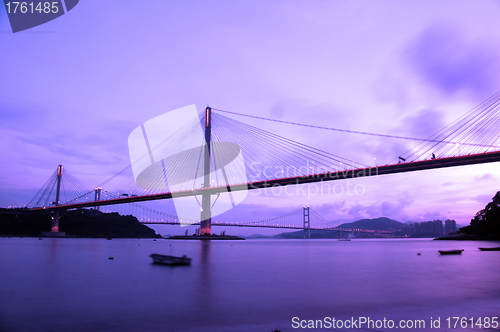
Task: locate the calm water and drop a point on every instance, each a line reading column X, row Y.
column 252, row 285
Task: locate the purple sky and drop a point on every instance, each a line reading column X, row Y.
column 73, row 89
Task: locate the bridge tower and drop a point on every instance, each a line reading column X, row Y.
column 307, row 224
column 55, row 219
column 206, row 213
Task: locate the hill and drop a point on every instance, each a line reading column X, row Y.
column 377, row 224
column 76, row 223
column 382, row 224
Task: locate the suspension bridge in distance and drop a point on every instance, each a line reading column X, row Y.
column 471, row 139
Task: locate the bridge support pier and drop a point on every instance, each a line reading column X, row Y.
column 307, row 224
column 55, row 222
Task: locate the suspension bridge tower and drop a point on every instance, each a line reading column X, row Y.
column 307, row 224
column 206, row 213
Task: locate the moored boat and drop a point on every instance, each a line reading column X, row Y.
column 170, row 260
column 451, row 252
column 490, row 249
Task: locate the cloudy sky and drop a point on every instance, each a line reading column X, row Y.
column 74, row 88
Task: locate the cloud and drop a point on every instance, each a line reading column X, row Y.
column 444, row 58
column 428, row 216
column 483, row 198
column 390, row 209
column 487, row 176
column 371, row 150
column 28, row 117
column 33, row 127
column 384, row 150
column 423, row 124
column 328, row 212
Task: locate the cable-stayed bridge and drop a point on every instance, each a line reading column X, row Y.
column 230, row 156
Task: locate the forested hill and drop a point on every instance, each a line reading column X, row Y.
column 486, row 223
column 382, row 224
column 77, row 223
column 378, row 224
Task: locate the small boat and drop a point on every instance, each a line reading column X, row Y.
column 347, row 238
column 490, row 249
column 450, row 252
column 170, row 260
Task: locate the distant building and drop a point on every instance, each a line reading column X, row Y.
column 450, row 226
column 408, row 230
column 434, row 228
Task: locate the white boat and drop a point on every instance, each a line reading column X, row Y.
column 170, row 260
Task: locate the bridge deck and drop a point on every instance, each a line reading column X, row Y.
column 339, row 175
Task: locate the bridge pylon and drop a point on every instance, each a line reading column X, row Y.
column 56, row 214
column 55, row 218
column 206, row 213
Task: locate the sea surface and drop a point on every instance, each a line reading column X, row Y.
column 61, row 284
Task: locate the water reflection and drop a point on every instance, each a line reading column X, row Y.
column 204, row 285
column 51, row 265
